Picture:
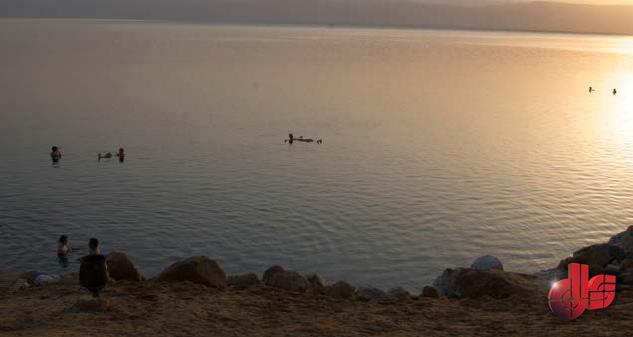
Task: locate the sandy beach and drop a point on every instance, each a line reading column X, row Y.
column 187, row 309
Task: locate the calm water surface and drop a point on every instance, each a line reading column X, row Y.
column 438, row 146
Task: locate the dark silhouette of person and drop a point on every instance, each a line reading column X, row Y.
column 615, row 91
column 55, row 154
column 121, row 154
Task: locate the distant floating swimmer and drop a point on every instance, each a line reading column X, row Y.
column 591, row 89
column 615, row 91
column 292, row 139
column 106, row 155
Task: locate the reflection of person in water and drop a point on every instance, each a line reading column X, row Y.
column 55, row 154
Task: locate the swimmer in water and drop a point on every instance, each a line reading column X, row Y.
column 55, row 154
column 121, row 154
column 93, row 246
column 591, row 89
column 615, row 91
column 63, row 248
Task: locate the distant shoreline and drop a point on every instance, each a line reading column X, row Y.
column 310, row 25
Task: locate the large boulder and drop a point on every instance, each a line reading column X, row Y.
column 197, row 269
column 121, row 267
column 243, row 281
column 278, row 277
column 595, row 255
column 340, row 289
column 473, row 283
column 487, row 262
column 371, row 293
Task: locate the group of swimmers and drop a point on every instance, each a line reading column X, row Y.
column 292, row 139
column 591, row 89
column 56, row 154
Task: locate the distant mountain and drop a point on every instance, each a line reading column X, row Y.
column 482, row 14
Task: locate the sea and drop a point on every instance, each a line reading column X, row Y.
column 437, row 146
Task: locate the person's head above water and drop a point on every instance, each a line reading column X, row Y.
column 290, row 136
column 54, row 149
column 63, row 239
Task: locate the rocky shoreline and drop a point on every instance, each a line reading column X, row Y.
column 484, row 285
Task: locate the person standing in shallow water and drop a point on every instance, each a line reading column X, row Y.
column 121, row 154
column 63, row 248
column 55, row 154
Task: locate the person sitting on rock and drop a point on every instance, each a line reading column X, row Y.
column 63, row 248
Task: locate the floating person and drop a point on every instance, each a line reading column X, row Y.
column 121, row 154
column 55, row 154
column 591, row 89
column 291, row 139
column 63, row 248
column 615, row 91
column 106, row 155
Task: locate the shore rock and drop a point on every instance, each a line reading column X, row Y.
column 278, row 277
column 243, row 281
column 487, row 262
column 317, row 283
column 430, row 292
column 445, row 283
column 121, row 267
column 197, row 269
column 340, row 290
column 371, row 293
column 617, row 239
column 596, row 255
column 627, row 241
column 473, row 283
column 36, row 278
column 268, row 274
column 398, row 292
